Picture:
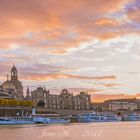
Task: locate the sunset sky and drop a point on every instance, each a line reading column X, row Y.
column 91, row 45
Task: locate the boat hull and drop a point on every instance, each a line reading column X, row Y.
column 58, row 121
column 16, row 121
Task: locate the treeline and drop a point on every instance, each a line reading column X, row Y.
column 15, row 103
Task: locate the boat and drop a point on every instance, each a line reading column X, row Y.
column 43, row 120
column 58, row 120
column 49, row 118
column 112, row 118
column 132, row 117
column 34, row 119
column 16, row 120
column 92, row 117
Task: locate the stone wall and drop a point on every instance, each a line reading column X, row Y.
column 62, row 112
column 9, row 111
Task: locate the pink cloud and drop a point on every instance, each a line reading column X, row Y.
column 19, row 17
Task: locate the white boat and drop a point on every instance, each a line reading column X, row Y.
column 16, row 120
column 34, row 119
column 132, row 117
column 59, row 120
column 112, row 118
column 91, row 117
column 40, row 119
column 49, row 119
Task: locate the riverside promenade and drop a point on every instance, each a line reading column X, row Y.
column 12, row 111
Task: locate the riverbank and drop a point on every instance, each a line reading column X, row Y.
column 12, row 111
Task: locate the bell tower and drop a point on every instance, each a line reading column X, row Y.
column 18, row 84
column 14, row 73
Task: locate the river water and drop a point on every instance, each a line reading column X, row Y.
column 75, row 131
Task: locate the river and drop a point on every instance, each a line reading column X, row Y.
column 75, row 131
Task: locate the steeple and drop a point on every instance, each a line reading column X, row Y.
column 28, row 97
column 28, row 92
column 14, row 73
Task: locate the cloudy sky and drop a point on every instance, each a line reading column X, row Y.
column 91, row 45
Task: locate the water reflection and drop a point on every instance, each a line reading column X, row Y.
column 90, row 131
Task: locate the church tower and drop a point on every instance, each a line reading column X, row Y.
column 14, row 73
column 14, row 79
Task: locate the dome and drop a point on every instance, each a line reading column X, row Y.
column 8, row 85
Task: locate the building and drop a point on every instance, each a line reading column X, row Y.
column 82, row 101
column 12, row 88
column 65, row 101
column 116, row 106
column 41, row 97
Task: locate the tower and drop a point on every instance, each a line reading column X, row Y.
column 16, row 82
column 14, row 73
column 28, row 93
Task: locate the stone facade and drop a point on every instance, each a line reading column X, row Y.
column 7, row 94
column 82, row 101
column 65, row 101
column 115, row 106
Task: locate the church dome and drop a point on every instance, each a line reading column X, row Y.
column 8, row 85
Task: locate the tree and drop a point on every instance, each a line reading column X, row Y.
column 15, row 103
column 41, row 103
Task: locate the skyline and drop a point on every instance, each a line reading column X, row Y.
column 79, row 45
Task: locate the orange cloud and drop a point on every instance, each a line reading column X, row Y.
column 106, row 22
column 19, row 17
column 63, row 76
column 79, row 89
column 111, row 85
column 108, row 35
column 103, row 97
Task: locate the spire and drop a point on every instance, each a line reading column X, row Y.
column 28, row 92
